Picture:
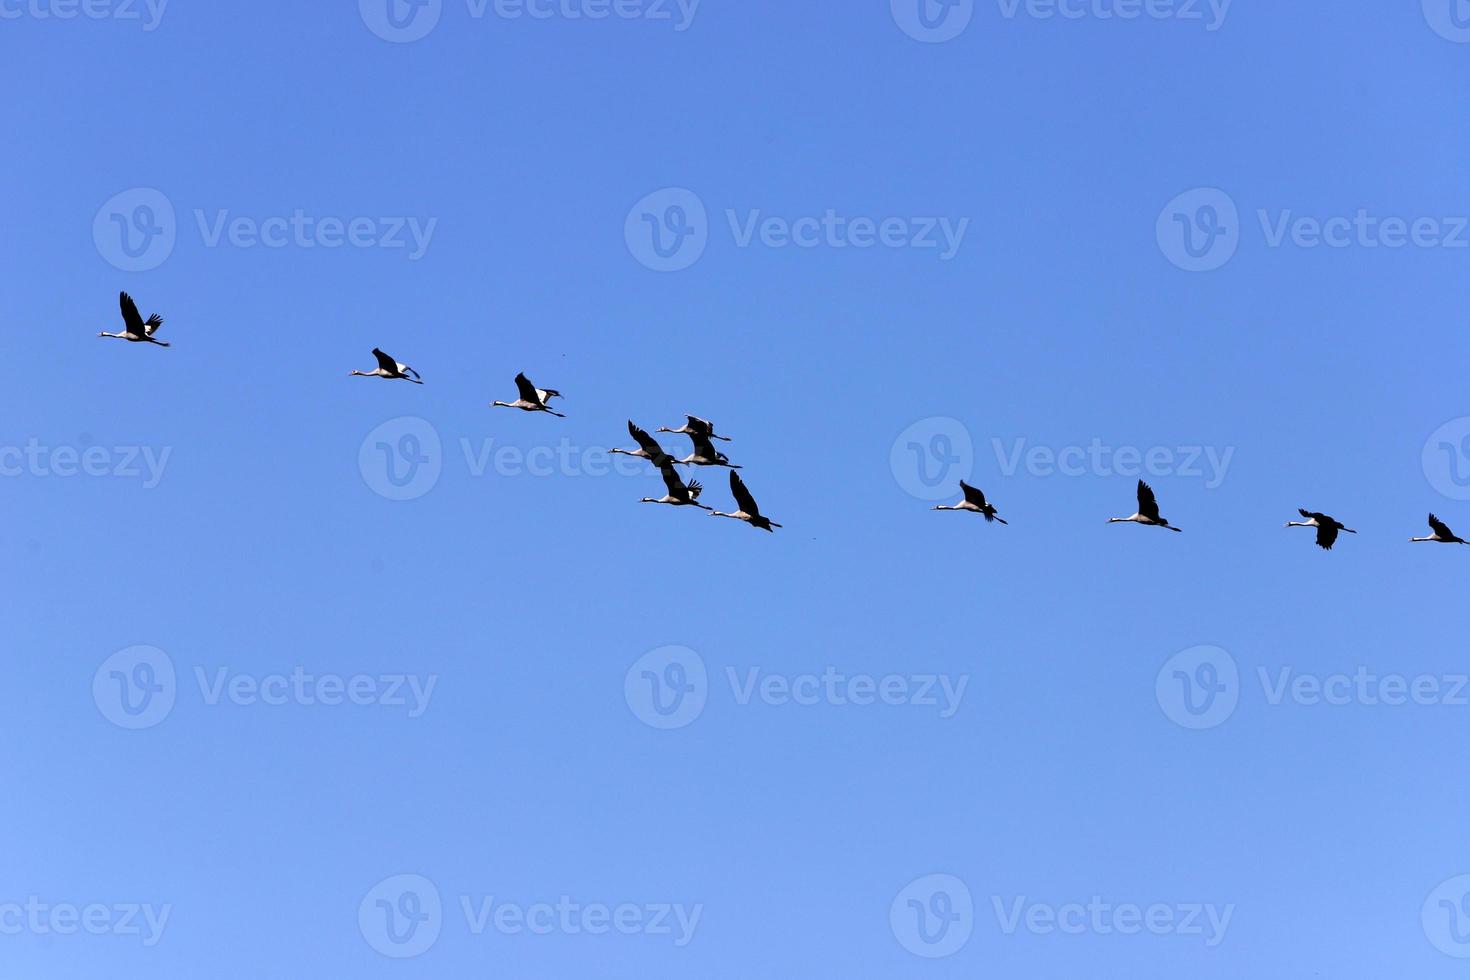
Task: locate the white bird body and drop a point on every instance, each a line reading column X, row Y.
column 136, row 329
column 389, row 370
column 532, row 399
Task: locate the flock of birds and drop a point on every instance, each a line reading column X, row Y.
column 532, row 399
column 701, row 433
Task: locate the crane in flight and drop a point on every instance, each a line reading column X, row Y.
column 748, row 512
column 975, row 503
column 389, row 369
column 532, row 399
column 1327, row 527
column 135, row 328
column 1148, row 510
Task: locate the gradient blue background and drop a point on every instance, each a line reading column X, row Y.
column 1060, row 321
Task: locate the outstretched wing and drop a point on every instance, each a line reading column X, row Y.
column 385, row 362
column 973, row 494
column 152, row 324
column 695, row 489
column 132, row 320
column 1440, row 527
column 1326, row 534
column 1312, row 515
column 527, row 390
column 702, row 426
column 742, row 495
column 671, row 480
column 1148, row 505
column 644, row 440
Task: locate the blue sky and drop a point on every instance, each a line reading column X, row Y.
column 1050, row 247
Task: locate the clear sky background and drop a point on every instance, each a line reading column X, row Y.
column 1062, row 319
